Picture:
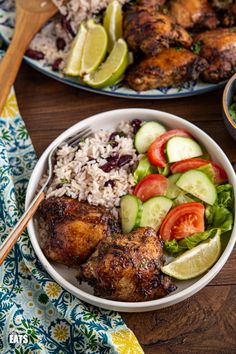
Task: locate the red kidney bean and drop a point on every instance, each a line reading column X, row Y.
column 111, row 163
column 67, row 26
column 113, row 135
column 124, row 159
column 112, row 140
column 109, row 183
column 60, row 43
column 56, row 64
column 135, row 124
column 34, row 54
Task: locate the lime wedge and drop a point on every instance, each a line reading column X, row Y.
column 113, row 23
column 95, row 47
column 195, row 261
column 73, row 64
column 112, row 69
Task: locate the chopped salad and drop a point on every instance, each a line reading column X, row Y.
column 180, row 192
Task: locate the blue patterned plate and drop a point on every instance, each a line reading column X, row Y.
column 119, row 90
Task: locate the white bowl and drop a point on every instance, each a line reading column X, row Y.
column 66, row 276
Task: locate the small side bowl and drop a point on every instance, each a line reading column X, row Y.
column 229, row 92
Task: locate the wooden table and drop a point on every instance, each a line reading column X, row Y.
column 205, row 323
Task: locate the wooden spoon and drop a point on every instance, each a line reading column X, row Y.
column 30, row 17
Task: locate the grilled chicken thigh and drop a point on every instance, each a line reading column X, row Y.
column 152, row 31
column 75, row 228
column 171, row 67
column 127, row 267
column 218, row 47
column 150, row 4
column 190, row 13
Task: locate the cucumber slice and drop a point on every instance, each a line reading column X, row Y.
column 154, row 212
column 146, row 135
column 181, row 148
column 198, row 184
column 182, row 198
column 144, row 168
column 131, row 211
column 174, row 178
column 173, row 191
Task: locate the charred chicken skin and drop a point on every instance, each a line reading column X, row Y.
column 171, row 67
column 75, row 228
column 127, row 267
column 191, row 13
column 218, row 47
column 151, row 31
column 150, row 4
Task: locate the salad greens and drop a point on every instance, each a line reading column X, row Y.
column 219, row 218
column 143, row 169
column 164, row 170
column 184, row 198
column 225, row 195
column 175, row 248
column 221, row 213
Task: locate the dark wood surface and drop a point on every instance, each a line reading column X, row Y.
column 205, row 323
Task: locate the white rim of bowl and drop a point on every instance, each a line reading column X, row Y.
column 144, row 305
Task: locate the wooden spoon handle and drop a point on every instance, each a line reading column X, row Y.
column 9, row 242
column 11, row 62
column 27, row 25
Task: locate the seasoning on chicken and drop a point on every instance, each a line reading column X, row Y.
column 191, row 13
column 152, row 31
column 172, row 67
column 75, row 228
column 127, row 267
column 150, row 4
column 218, row 47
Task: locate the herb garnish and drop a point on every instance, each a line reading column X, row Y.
column 64, row 181
column 196, row 47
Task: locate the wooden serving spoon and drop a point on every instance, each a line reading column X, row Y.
column 30, row 17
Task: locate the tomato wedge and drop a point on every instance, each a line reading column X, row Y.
column 220, row 175
column 151, row 186
column 156, row 151
column 183, row 221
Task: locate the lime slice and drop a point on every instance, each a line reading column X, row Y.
column 73, row 64
column 195, row 261
column 112, row 69
column 95, row 47
column 113, row 23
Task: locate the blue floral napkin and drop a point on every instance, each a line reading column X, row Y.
column 36, row 314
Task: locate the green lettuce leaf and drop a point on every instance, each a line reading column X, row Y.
column 220, row 215
column 164, row 170
column 225, row 196
column 175, row 248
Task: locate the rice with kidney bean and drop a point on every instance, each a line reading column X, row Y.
column 52, row 44
column 99, row 170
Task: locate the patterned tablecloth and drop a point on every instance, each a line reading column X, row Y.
column 34, row 309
